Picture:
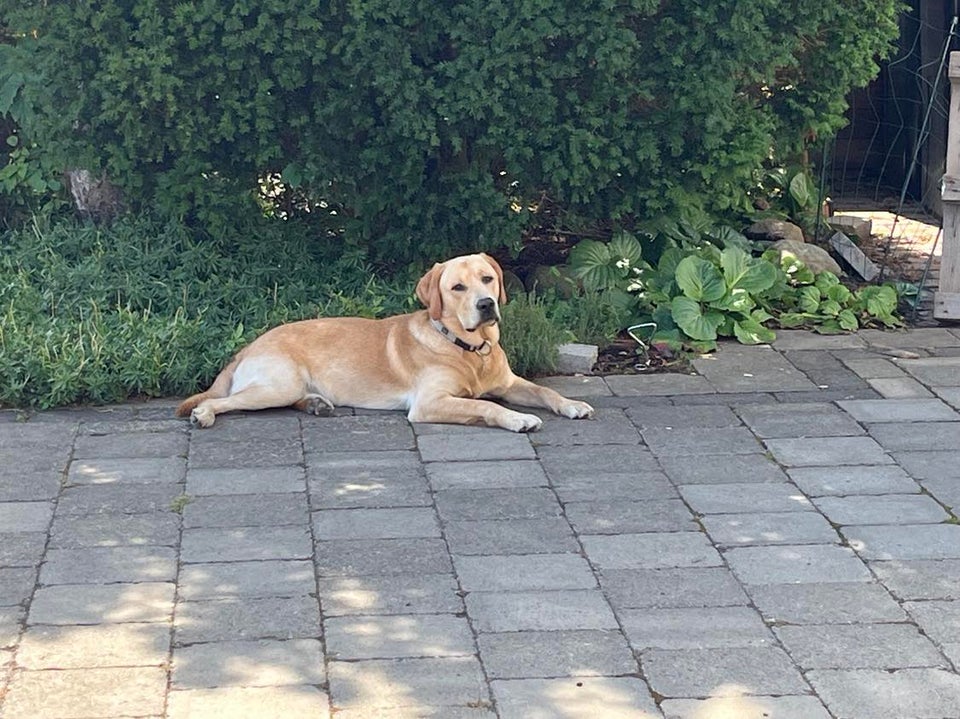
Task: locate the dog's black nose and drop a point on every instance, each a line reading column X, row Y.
column 485, row 305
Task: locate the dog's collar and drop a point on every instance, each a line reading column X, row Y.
column 481, row 349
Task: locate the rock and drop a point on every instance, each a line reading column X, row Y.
column 774, row 229
column 548, row 277
column 576, row 358
column 851, row 225
column 815, row 258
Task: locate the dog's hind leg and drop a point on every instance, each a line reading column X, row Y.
column 315, row 404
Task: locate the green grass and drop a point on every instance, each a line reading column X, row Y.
column 150, row 308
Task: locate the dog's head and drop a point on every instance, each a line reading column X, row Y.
column 468, row 288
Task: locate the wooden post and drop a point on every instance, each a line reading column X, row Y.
column 946, row 301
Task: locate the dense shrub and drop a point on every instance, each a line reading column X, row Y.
column 418, row 129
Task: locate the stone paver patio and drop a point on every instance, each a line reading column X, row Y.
column 773, row 538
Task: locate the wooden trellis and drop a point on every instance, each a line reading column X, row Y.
column 946, row 301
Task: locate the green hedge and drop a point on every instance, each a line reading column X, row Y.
column 416, row 129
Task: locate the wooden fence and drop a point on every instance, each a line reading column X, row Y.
column 946, row 301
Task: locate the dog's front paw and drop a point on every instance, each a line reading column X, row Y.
column 518, row 422
column 202, row 417
column 576, row 410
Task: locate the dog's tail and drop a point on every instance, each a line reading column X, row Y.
column 219, row 388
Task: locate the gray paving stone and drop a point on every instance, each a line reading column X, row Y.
column 225, row 544
column 686, row 587
column 882, row 509
column 727, row 398
column 917, row 541
column 521, row 655
column 945, row 491
column 11, row 622
column 345, row 480
column 827, row 451
column 21, row 549
column 516, row 536
column 609, row 697
column 939, row 619
column 130, row 444
column 880, row 694
column 609, row 426
column 826, row 603
column 934, row 371
column 77, row 693
column 754, row 369
column 369, row 433
column 359, row 557
column 395, row 523
column 920, row 578
column 117, row 499
column 930, row 463
column 216, row 620
column 246, row 510
column 695, row 441
column 806, row 340
column 622, row 517
column 449, row 682
column 466, row 448
column 671, row 417
column 539, row 611
column 810, row 419
column 576, row 386
column 657, row 384
column 770, row 528
column 152, row 420
column 104, row 565
column 827, row 395
column 950, row 395
column 101, row 645
column 519, row 503
column 916, row 436
column 28, row 485
column 16, row 585
column 722, row 469
column 257, row 663
column 719, row 671
column 486, row 475
column 396, row 594
column 746, row 707
column 515, row 573
column 796, row 564
column 115, row 530
column 736, row 498
column 266, row 426
column 25, row 516
column 899, row 388
column 874, row 368
column 622, row 487
column 912, row 339
column 396, row 636
column 277, row 702
column 650, row 551
column 694, row 628
column 859, row 646
column 562, row 463
column 17, row 435
column 853, row 480
column 270, row 578
column 241, row 480
column 899, row 410
column 822, row 368
column 102, row 603
column 253, row 451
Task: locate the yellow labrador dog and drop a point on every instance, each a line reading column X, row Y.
column 436, row 363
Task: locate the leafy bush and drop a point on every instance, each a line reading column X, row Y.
column 701, row 292
column 529, row 337
column 416, row 130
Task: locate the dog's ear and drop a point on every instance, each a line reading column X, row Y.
column 428, row 291
column 496, row 268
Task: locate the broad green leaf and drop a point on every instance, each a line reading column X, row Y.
column 826, row 280
column 829, row 327
column 626, row 247
column 742, row 271
column 880, row 301
column 792, row 319
column 593, row 263
column 839, row 293
column 700, row 280
column 829, row 307
column 728, row 237
column 735, row 300
column 8, row 91
column 848, row 320
column 690, row 317
column 809, row 298
column 669, row 260
column 802, row 190
column 751, row 332
column 761, row 315
column 663, row 316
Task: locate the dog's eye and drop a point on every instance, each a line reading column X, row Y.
column 459, row 287
column 486, row 279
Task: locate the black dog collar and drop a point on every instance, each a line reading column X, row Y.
column 441, row 328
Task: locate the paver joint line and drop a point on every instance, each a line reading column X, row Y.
column 779, row 522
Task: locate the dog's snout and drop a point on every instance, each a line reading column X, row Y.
column 486, row 305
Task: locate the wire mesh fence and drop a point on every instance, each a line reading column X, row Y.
column 886, row 167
